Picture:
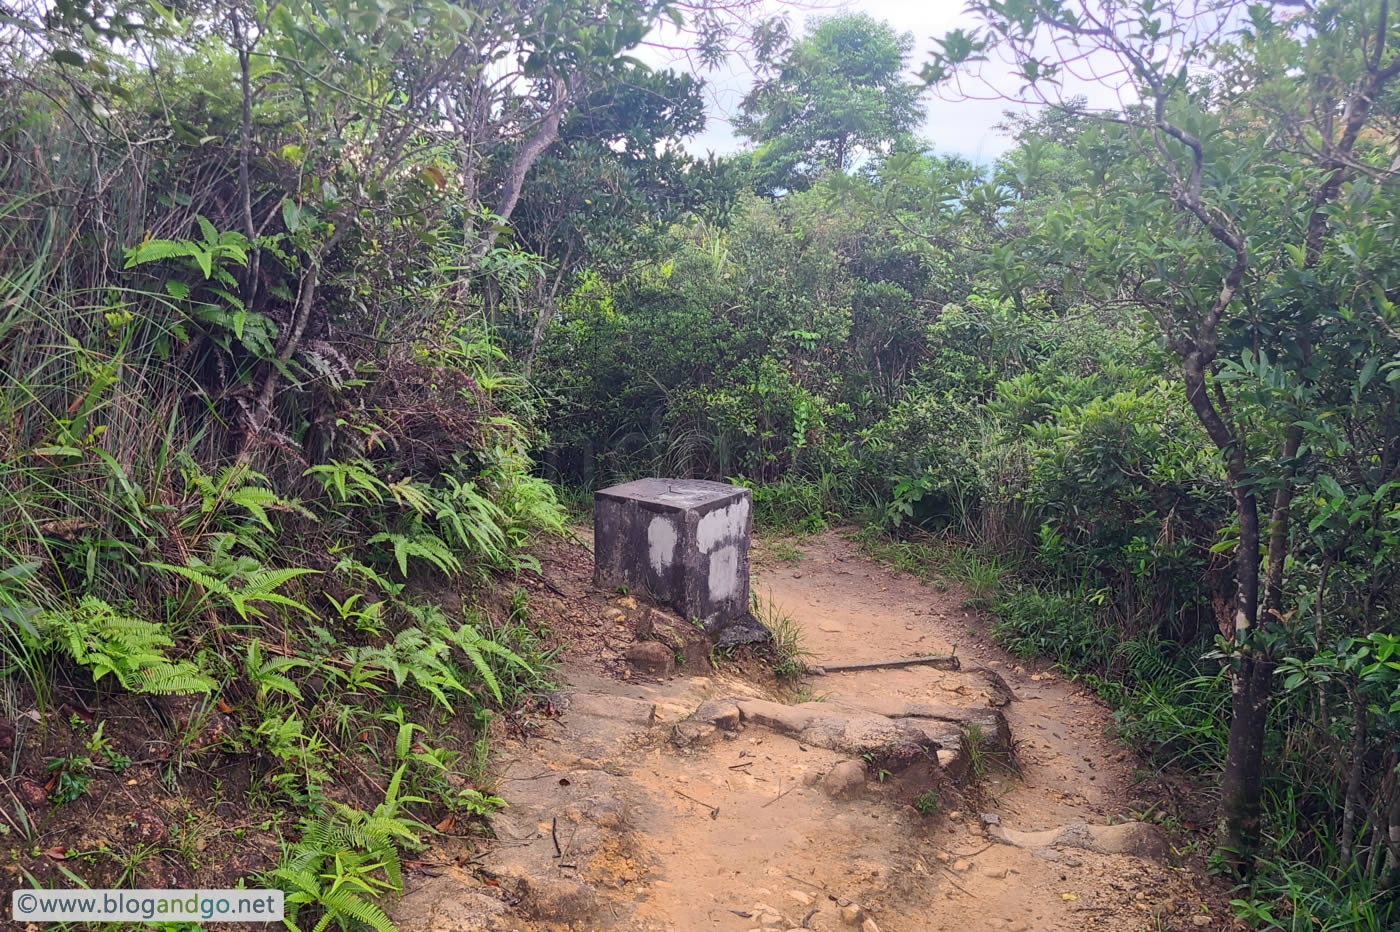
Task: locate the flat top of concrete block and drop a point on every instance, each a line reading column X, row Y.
column 675, row 493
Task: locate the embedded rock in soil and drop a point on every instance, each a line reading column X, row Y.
column 991, row 722
column 556, row 900
column 849, row 731
column 445, row 904
column 618, row 708
column 947, row 727
column 745, row 629
column 998, row 692
column 1138, row 839
column 693, row 734
column 651, row 657
column 30, row 793
column 690, row 645
column 722, row 713
column 845, row 779
column 583, row 812
column 705, row 723
column 1053, row 854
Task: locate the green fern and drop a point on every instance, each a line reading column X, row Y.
column 406, row 493
column 350, row 483
column 347, row 859
column 174, row 679
column 472, row 519
column 300, row 755
column 270, row 675
column 351, row 568
column 479, row 648
column 415, row 656
column 422, row 545
column 259, row 585
column 209, row 256
column 131, row 650
column 476, row 646
column 258, row 501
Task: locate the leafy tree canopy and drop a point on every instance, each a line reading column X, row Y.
column 837, row 95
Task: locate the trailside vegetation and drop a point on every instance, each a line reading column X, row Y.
column 309, row 310
column 265, row 458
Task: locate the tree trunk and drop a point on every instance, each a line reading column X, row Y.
column 549, row 304
column 1353, row 796
column 1251, row 682
column 1242, row 784
column 1391, row 802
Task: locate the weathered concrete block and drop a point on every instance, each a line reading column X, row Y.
column 684, row 542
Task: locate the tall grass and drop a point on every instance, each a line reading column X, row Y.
column 790, row 653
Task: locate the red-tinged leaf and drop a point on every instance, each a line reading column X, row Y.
column 435, row 177
column 58, row 853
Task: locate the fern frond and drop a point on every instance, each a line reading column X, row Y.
column 361, row 910
column 199, row 578
column 406, row 493
column 423, row 545
column 174, row 679
column 131, row 650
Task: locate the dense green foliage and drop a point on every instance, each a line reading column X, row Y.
column 302, row 306
column 261, row 445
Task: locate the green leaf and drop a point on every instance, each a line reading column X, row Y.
column 291, row 215
column 58, row 451
column 1330, row 486
column 1368, row 372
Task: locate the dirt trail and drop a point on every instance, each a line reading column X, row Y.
column 620, row 819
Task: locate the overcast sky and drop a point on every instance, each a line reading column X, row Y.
column 961, row 127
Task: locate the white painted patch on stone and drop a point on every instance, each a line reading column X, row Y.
column 661, row 543
column 724, row 572
column 722, row 524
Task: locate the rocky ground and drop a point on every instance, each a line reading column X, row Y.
column 660, row 791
